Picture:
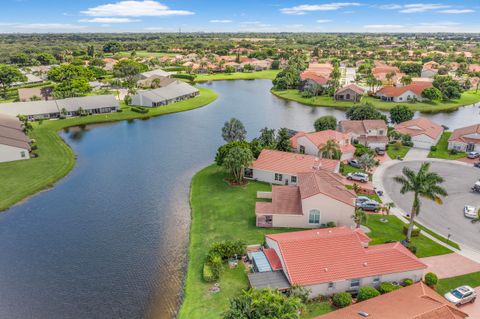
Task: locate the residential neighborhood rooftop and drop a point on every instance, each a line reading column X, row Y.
column 468, row 134
column 419, row 126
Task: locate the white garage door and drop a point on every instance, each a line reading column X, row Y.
column 422, row 144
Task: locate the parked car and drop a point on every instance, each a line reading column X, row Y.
column 361, row 199
column 477, row 164
column 357, row 176
column 354, row 163
column 476, row 187
column 473, row 154
column 380, row 151
column 470, row 211
column 461, row 295
column 370, row 205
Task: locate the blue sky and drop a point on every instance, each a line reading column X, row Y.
column 240, row 15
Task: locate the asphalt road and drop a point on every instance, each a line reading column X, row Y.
column 446, row 218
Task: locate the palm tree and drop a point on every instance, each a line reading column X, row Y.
column 406, row 80
column 329, row 150
column 367, row 162
column 359, row 217
column 423, row 184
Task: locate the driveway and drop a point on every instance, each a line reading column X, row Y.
column 472, row 309
column 447, row 218
column 450, row 265
column 416, row 154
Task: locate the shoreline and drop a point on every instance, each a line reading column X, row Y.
column 27, row 178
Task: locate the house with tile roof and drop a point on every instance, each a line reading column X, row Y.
column 319, row 198
column 371, row 133
column 350, row 92
column 424, row 132
column 429, row 69
column 465, row 139
column 417, row 301
column 276, row 167
column 312, row 143
column 332, row 260
column 14, row 143
column 403, row 93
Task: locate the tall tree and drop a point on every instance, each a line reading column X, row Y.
column 423, row 184
column 326, row 122
column 400, row 113
column 9, row 74
column 359, row 217
column 283, row 140
column 329, row 150
column 233, row 130
column 129, row 70
column 267, row 138
column 237, row 159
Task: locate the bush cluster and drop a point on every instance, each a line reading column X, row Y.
column 386, row 287
column 431, row 279
column 141, row 110
column 365, row 293
column 342, row 299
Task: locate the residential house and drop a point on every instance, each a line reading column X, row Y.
column 403, row 93
column 157, row 72
column 332, row 260
column 31, row 79
column 371, row 133
column 174, row 92
column 14, row 143
column 429, row 69
column 109, row 63
column 383, row 72
column 319, row 198
column 311, row 78
column 417, row 301
column 278, row 167
column 312, row 143
column 39, row 110
column 474, row 68
column 423, row 131
column 155, row 80
column 465, row 139
column 35, row 94
column 351, row 92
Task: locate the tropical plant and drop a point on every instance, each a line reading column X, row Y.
column 367, row 161
column 359, row 217
column 327, row 122
column 366, row 292
column 342, row 299
column 329, row 150
column 9, row 74
column 423, row 184
column 400, row 113
column 283, row 140
column 431, row 279
column 237, row 159
column 233, row 130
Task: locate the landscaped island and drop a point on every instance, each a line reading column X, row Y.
column 21, row 179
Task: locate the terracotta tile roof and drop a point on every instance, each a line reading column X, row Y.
column 320, row 138
column 372, row 139
column 416, row 88
column 355, row 88
column 413, row 302
column 273, row 259
column 285, row 200
column 317, row 78
column 332, row 254
column 323, row 182
column 362, row 127
column 11, row 133
column 419, row 126
column 474, row 68
column 430, row 65
column 292, row 163
column 460, row 134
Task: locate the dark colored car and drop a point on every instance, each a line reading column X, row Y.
column 380, row 151
column 354, row 163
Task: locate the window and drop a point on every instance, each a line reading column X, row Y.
column 278, row 177
column 376, row 280
column 302, row 149
column 331, row 285
column 314, row 216
column 380, row 132
column 354, row 283
column 400, row 98
column 293, row 179
column 22, row 153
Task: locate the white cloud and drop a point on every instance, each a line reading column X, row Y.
column 108, row 20
column 134, row 9
column 324, row 21
column 390, row 6
column 422, row 7
column 383, row 26
column 220, row 21
column 304, row 8
column 456, row 11
column 50, row 26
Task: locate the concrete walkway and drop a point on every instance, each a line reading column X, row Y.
column 416, row 154
column 450, row 265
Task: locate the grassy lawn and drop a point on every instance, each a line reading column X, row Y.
column 469, row 97
column 447, row 284
column 442, row 149
column 317, row 308
column 394, row 153
column 437, row 236
column 267, row 74
column 392, row 230
column 21, row 179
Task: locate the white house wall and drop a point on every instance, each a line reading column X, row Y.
column 269, row 177
column 10, row 153
column 461, row 146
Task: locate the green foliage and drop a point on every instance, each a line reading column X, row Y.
column 237, row 159
column 365, row 293
column 400, row 113
column 189, row 77
column 224, row 149
column 288, row 78
column 207, row 273
column 72, row 88
column 141, row 110
column 227, row 249
column 386, row 287
column 129, row 70
column 412, row 69
column 431, row 279
column 415, row 231
column 233, row 130
column 362, row 149
column 326, row 122
column 265, row 304
column 283, row 140
column 267, row 138
column 407, row 282
column 68, row 72
column 45, row 58
column 112, row 47
column 432, row 94
column 364, row 112
column 449, row 88
column 342, row 299
column 300, row 292
column 9, row 74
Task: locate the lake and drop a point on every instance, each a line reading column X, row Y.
column 110, row 240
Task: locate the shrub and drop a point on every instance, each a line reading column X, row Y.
column 208, row 275
column 216, row 266
column 386, row 287
column 227, row 249
column 141, row 110
column 453, row 151
column 365, row 293
column 431, row 279
column 330, row 225
column 342, row 299
column 433, row 148
column 415, row 231
column 407, row 282
column 189, row 77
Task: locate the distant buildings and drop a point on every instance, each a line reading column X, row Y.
column 173, row 92
column 403, row 93
column 14, row 143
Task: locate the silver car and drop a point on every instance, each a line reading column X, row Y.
column 461, row 295
column 470, row 211
column 357, row 176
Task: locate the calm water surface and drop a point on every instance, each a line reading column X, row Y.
column 109, row 241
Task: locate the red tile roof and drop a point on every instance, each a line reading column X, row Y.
column 355, row 88
column 323, row 182
column 417, row 301
column 416, row 88
column 459, row 135
column 285, row 200
column 362, row 127
column 292, row 163
column 273, row 259
column 474, row 68
column 320, row 138
column 317, row 78
column 333, row 254
column 419, row 126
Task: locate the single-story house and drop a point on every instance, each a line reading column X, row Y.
column 157, row 72
column 311, row 78
column 371, row 133
column 403, row 93
column 278, row 167
column 174, row 92
column 35, row 94
column 311, row 143
column 351, row 92
column 429, row 69
column 14, row 143
column 423, row 131
column 332, row 260
column 39, row 110
column 417, row 301
column 465, row 139
column 31, row 79
column 155, row 80
column 319, row 198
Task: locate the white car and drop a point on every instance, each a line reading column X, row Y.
column 473, row 154
column 470, row 211
column 357, row 176
column 461, row 295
